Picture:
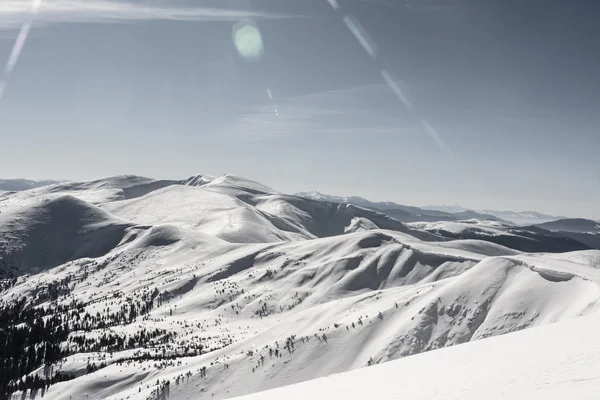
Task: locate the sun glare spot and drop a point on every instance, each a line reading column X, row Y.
column 248, row 40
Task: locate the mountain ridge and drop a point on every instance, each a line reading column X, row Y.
column 400, row 212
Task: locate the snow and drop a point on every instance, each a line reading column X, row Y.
column 39, row 236
column 222, row 249
column 521, row 238
column 95, row 192
column 203, row 210
column 491, row 228
column 552, row 362
column 234, row 181
column 239, row 212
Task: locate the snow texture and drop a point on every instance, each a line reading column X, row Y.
column 552, row 362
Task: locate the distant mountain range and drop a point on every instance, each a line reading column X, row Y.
column 405, row 213
column 534, row 231
column 17, row 185
column 582, row 230
column 516, row 217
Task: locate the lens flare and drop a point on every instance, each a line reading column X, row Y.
column 248, row 40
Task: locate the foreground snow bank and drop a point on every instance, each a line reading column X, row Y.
column 557, row 361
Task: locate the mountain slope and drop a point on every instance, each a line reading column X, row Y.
column 38, row 237
column 515, row 366
column 310, row 289
column 94, row 192
column 529, row 239
column 241, row 212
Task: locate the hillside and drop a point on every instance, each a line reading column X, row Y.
column 248, row 213
column 38, row 237
column 373, row 297
column 529, row 239
column 94, row 192
column 515, row 366
column 127, row 288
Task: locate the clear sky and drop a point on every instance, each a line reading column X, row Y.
column 487, row 104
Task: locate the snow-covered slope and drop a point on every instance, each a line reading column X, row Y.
column 579, row 225
column 40, row 236
column 529, row 239
column 241, row 211
column 95, row 192
column 374, row 297
column 360, row 201
column 206, row 211
column 260, row 288
column 553, row 362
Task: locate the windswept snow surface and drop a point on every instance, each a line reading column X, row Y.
column 554, row 362
column 221, row 273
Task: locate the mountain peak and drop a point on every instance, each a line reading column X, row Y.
column 198, row 180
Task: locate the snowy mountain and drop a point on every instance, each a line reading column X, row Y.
column 382, row 205
column 214, row 287
column 48, row 234
column 16, row 185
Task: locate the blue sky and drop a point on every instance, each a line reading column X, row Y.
column 488, row 104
